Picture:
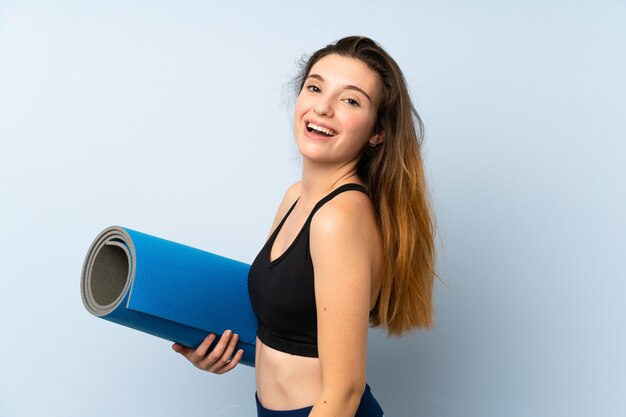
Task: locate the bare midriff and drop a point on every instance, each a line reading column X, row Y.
column 285, row 381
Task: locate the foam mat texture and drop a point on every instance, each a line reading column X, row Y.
column 167, row 289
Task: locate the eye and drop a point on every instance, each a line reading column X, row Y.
column 352, row 102
column 313, row 88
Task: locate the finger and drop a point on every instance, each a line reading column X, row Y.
column 224, row 359
column 233, row 362
column 183, row 350
column 218, row 350
column 200, row 352
column 228, row 353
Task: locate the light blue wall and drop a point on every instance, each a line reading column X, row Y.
column 173, row 118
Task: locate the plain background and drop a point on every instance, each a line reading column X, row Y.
column 174, row 118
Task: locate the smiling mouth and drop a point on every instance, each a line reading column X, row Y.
column 312, row 127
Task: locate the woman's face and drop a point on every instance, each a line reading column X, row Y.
column 336, row 110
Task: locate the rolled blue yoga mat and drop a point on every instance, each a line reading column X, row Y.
column 167, row 289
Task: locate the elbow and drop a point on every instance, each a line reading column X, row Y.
column 349, row 394
column 355, row 394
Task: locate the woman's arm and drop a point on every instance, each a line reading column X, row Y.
column 342, row 248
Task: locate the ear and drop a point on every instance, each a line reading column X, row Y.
column 377, row 139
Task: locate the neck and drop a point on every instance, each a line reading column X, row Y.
column 319, row 179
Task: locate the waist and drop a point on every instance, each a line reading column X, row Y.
column 285, row 381
column 368, row 407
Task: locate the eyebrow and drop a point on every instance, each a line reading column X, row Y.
column 349, row 86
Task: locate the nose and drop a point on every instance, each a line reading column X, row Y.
column 323, row 107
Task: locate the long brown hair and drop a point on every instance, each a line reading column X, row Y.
column 394, row 174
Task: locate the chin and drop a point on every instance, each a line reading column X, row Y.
column 312, row 152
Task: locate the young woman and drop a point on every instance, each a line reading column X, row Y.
column 352, row 243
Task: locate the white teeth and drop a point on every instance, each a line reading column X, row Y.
column 320, row 129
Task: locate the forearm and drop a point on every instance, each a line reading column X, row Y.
column 337, row 402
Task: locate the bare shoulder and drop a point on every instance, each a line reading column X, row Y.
column 348, row 207
column 292, row 193
column 349, row 217
column 346, row 252
column 289, row 198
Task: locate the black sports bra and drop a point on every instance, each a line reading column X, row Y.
column 282, row 291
